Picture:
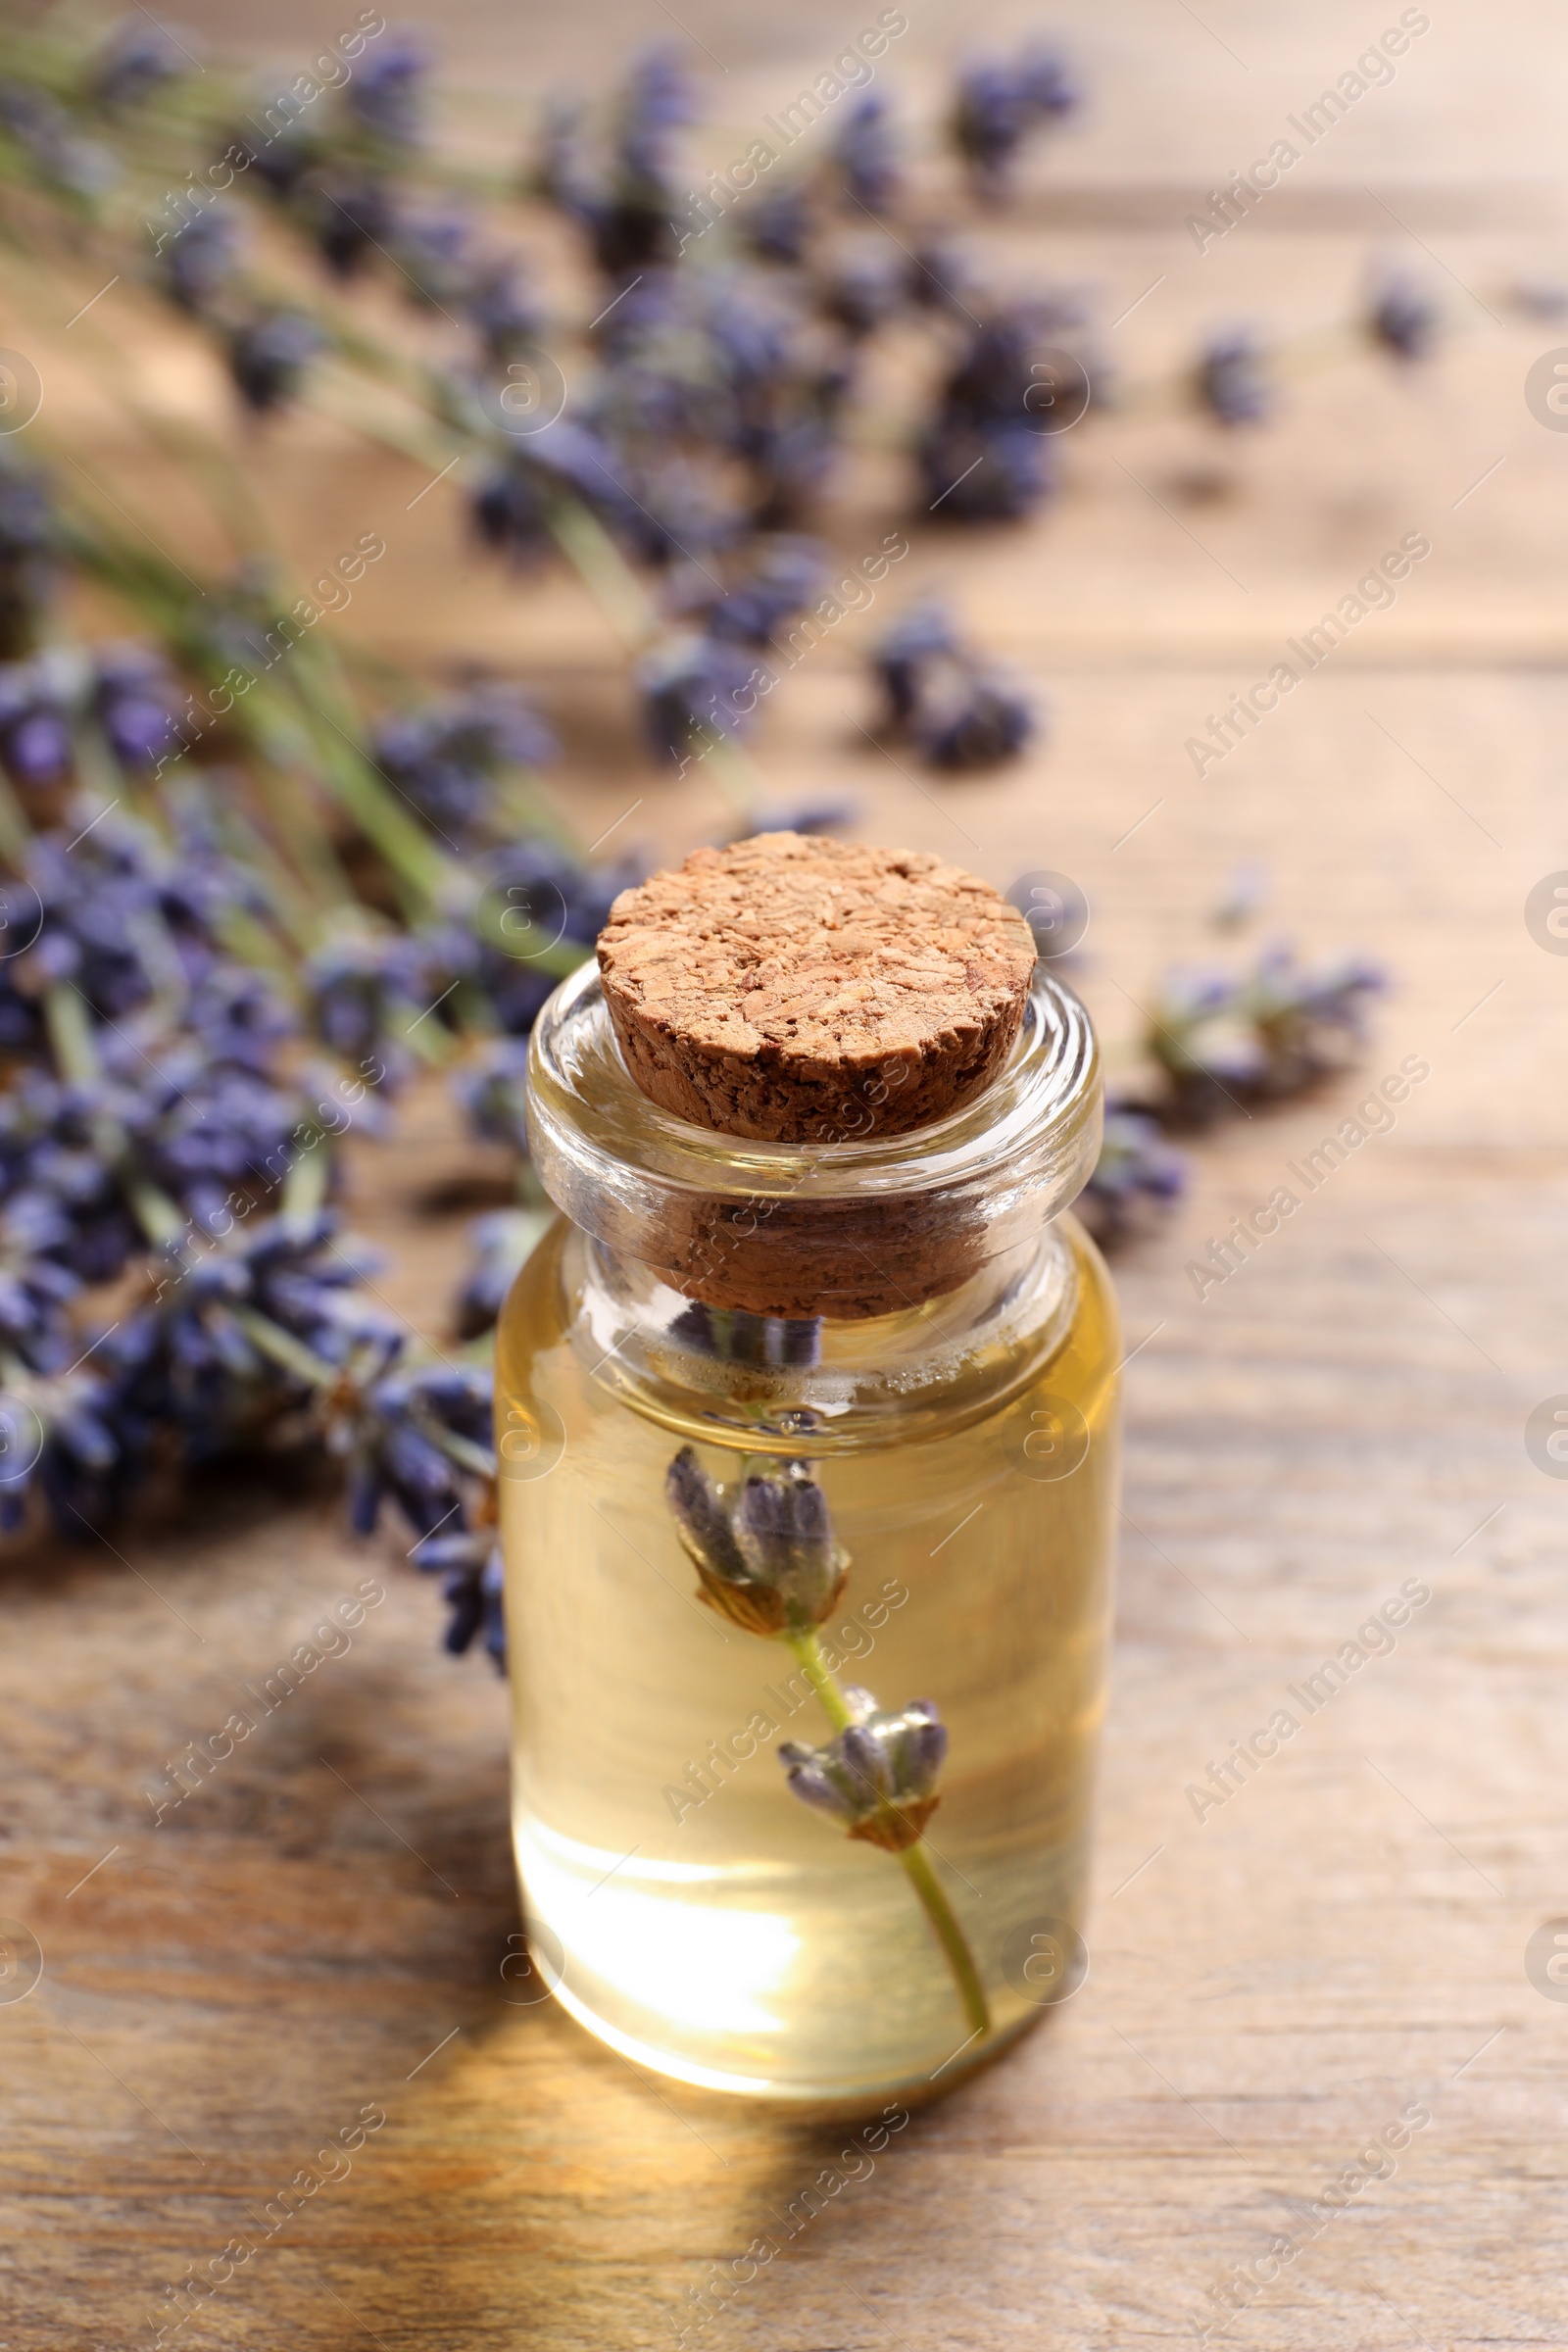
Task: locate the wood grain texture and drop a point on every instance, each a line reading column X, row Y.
column 323, row 1926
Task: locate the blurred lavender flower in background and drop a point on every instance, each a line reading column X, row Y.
column 868, row 155
column 469, row 1565
column 1137, row 1178
column 268, row 357
column 1000, row 102
column 388, row 93
column 1232, row 383
column 1405, row 319
column 958, row 711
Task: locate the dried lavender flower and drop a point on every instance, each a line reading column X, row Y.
column 268, row 357
column 999, row 101
column 878, row 1777
column 1405, row 319
column 867, row 155
column 1137, row 1177
column 1231, row 382
column 766, row 1556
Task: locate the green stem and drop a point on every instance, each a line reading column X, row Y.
column 916, row 1859
column 923, row 1878
column 285, row 1350
column 808, row 1649
column 305, row 1185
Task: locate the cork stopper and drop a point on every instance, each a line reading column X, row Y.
column 791, row 989
column 846, row 1230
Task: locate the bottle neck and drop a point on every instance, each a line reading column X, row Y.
column 814, row 1386
column 854, row 1231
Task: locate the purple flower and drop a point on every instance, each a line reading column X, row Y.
column 1405, row 319
column 351, row 219
column 961, row 714
column 999, row 103
column 446, row 759
column 432, row 249
column 136, row 58
column 1231, row 382
column 28, row 540
column 867, row 155
column 765, row 1554
column 697, row 690
column 878, row 1777
column 500, row 1244
column 736, row 1336
column 468, row 1561
column 778, row 224
column 788, row 575
column 35, row 728
column 134, row 698
column 985, row 473
column 924, row 634
column 969, row 721
column 867, row 287
column 1136, row 1176
column 504, row 308
column 267, row 358
column 201, row 257
column 388, row 93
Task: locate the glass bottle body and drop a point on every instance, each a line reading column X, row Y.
column 696, row 1914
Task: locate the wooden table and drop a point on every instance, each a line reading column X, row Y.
column 318, row 1935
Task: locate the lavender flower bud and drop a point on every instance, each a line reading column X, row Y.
column 785, row 1534
column 766, row 1559
column 878, row 1777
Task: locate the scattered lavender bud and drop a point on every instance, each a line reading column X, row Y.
column 924, row 634
column 789, row 573
column 35, row 728
column 134, row 697
column 352, row 218
column 267, row 358
column 695, row 692
column 201, row 257
column 867, row 155
column 386, row 93
column 1231, row 382
column 778, row 224
column 499, row 1247
column 966, row 720
column 471, row 1567
column 136, row 58
column 999, row 103
column 1308, row 1021
column 1244, row 894
column 1405, row 320
column 960, row 714
column 864, row 290
column 1137, row 1177
column 985, row 472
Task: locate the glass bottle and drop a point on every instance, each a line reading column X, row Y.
column 728, row 1520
